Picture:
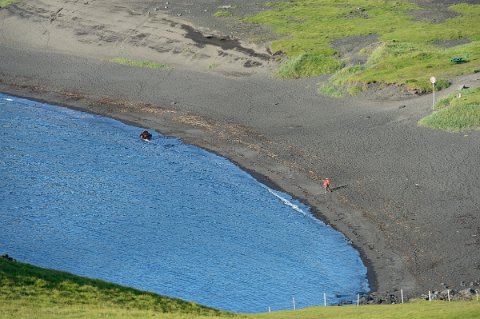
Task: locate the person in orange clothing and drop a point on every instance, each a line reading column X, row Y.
column 326, row 185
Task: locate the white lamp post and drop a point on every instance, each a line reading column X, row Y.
column 433, row 80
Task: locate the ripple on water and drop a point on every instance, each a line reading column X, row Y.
column 82, row 193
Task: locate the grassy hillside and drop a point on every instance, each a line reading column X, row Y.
column 30, row 292
column 456, row 113
column 27, row 291
column 374, row 41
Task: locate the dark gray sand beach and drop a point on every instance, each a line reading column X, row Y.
column 407, row 197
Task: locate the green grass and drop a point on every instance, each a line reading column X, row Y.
column 341, row 83
column 455, row 113
column 27, row 291
column 223, row 13
column 331, row 89
column 213, row 66
column 4, row 3
column 406, row 53
column 412, row 310
column 306, row 64
column 140, row 63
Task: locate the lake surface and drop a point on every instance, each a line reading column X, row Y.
column 82, row 193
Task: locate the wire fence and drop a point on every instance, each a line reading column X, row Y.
column 398, row 297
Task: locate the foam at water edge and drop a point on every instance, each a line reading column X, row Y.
column 97, row 201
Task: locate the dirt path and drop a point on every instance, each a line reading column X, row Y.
column 407, row 197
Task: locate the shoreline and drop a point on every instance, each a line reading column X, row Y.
column 263, row 179
column 268, row 230
column 412, row 230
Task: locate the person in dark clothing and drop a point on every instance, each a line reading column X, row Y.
column 146, row 136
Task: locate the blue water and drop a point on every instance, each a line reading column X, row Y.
column 82, row 193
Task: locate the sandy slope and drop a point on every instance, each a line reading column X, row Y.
column 407, row 197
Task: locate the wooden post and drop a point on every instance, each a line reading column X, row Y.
column 429, row 296
column 448, row 293
column 324, row 298
column 293, row 302
column 358, row 300
column 401, row 294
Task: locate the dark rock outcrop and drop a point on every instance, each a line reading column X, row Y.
column 7, row 257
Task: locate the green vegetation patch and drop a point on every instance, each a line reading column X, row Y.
column 417, row 310
column 308, row 64
column 31, row 292
column 223, row 13
column 140, row 63
column 330, row 89
column 456, row 112
column 407, row 52
column 343, row 82
column 4, row 3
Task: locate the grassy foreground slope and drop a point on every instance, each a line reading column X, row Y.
column 407, row 48
column 412, row 310
column 27, row 291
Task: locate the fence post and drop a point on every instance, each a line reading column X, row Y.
column 269, row 309
column 401, row 295
column 358, row 300
column 448, row 293
column 429, row 296
column 324, row 298
column 293, row 302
